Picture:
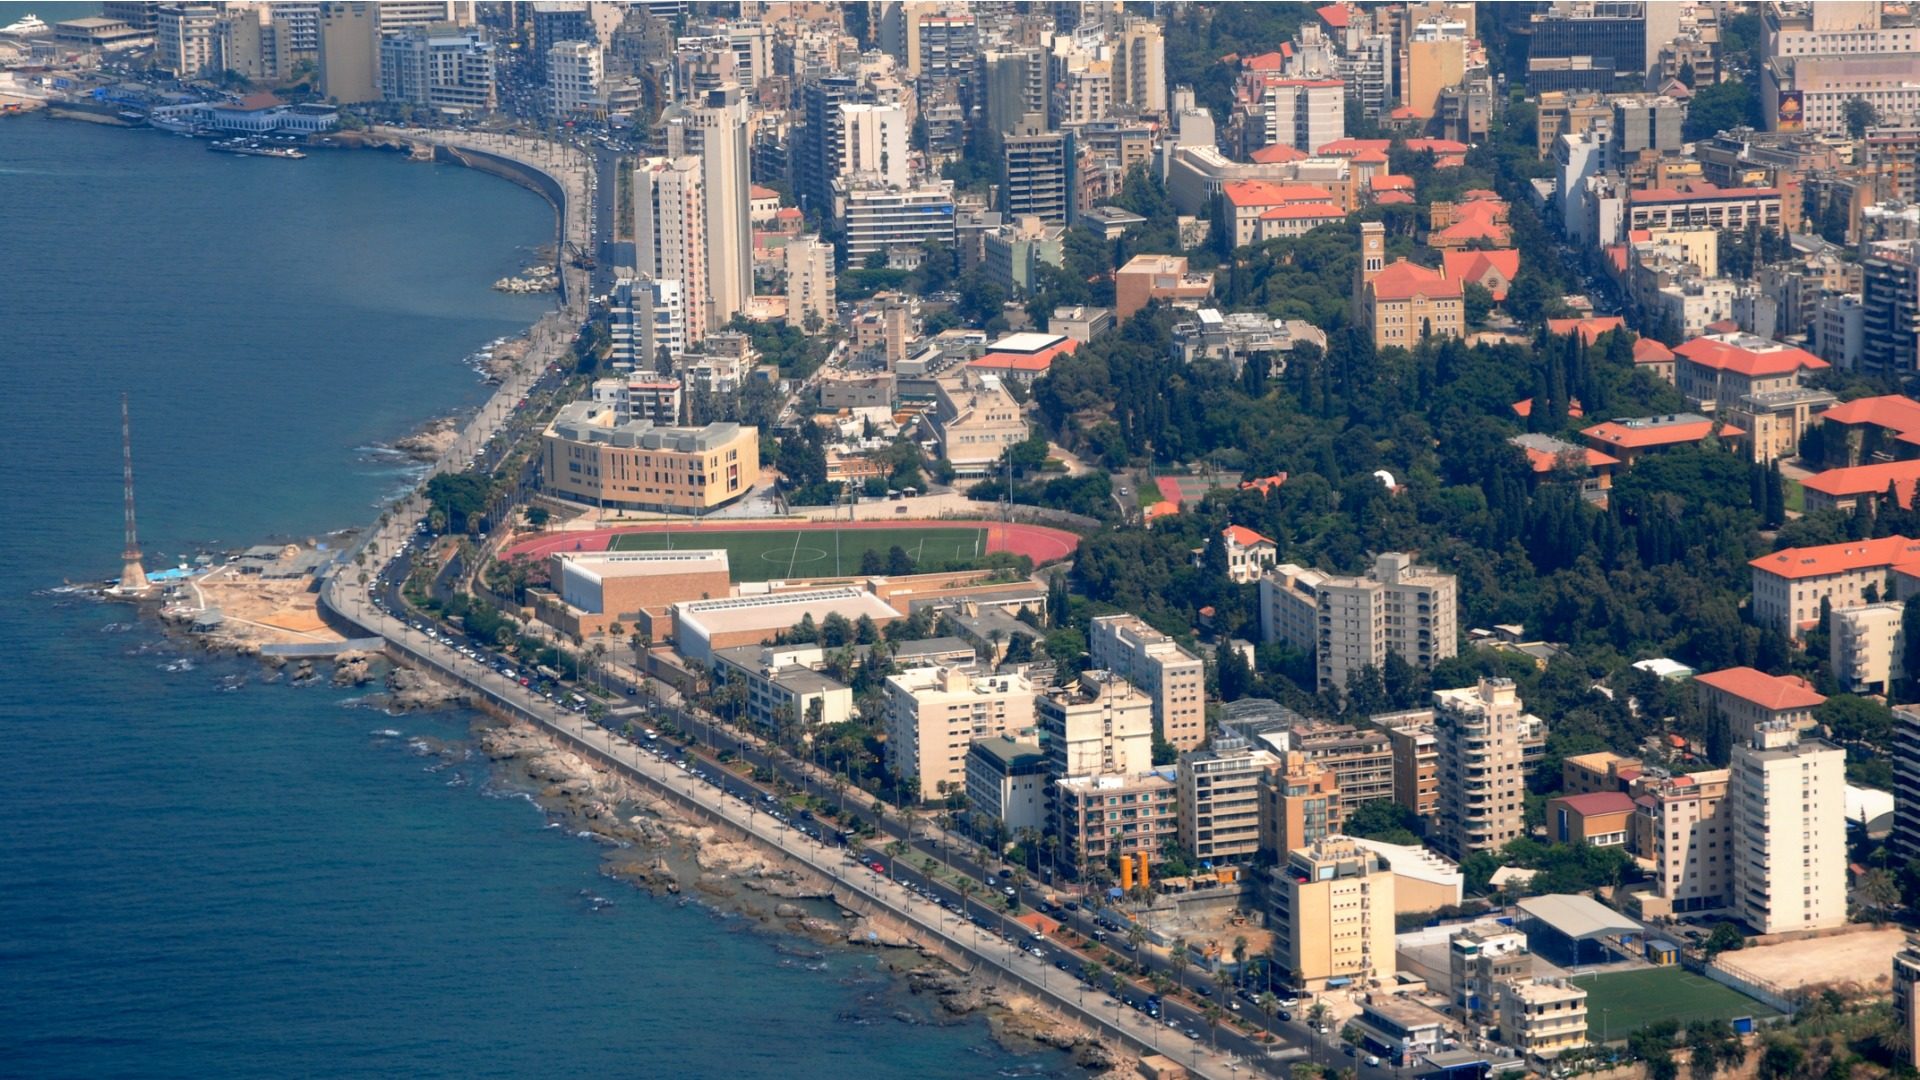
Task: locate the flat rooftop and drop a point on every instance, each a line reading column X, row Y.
column 601, row 565
column 778, row 611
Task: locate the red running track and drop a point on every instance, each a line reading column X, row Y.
column 1037, row 542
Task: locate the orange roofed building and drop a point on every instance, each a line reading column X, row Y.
column 1591, row 329
column 1251, row 203
column 1789, row 584
column 1406, row 302
column 1491, row 270
column 1249, row 554
column 1650, row 354
column 1743, row 699
column 1843, row 489
column 1863, row 428
column 1629, row 439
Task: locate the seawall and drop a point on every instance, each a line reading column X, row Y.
column 527, row 176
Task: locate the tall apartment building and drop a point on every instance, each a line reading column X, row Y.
column 1353, row 622
column 1416, row 759
column 878, row 219
column 1479, row 959
column 138, row 14
column 440, row 67
column 1867, row 646
column 1175, row 679
column 407, row 14
column 1305, row 114
column 248, row 42
column 817, row 154
column 576, row 80
column 1097, row 817
column 184, row 38
column 1101, row 726
column 1788, row 585
column 1140, row 67
column 934, row 714
column 1678, row 827
column 1332, row 913
column 670, row 232
column 1890, row 307
column 1039, row 172
column 1299, row 804
column 810, row 282
column 1905, row 839
column 1482, row 796
column 1361, row 758
column 1789, row 832
column 1219, row 799
column 1015, row 81
column 1584, row 44
column 1906, row 1012
column 646, row 323
column 1007, row 786
column 349, row 53
column 713, row 128
column 873, row 143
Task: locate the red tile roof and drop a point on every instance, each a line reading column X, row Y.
column 1795, row 563
column 1597, row 802
column 1277, row 153
column 1543, row 462
column 1890, row 411
column 1588, row 329
column 1395, row 198
column 1242, row 536
column 1697, row 191
column 1390, row 182
column 1404, row 280
column 1267, row 193
column 1724, row 326
column 1770, row 692
column 1749, row 356
column 1369, row 157
column 1614, row 433
column 1648, row 350
column 1269, row 61
column 1474, row 266
column 755, row 191
column 1335, row 15
column 1265, row 484
column 1350, row 147
column 1524, row 408
column 1868, row 480
column 1478, row 220
column 1035, row 361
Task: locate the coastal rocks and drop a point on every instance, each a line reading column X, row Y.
column 353, row 669
column 410, row 691
column 435, row 438
column 645, row 872
column 303, row 674
column 789, row 911
column 536, row 279
column 957, row 994
column 867, row 932
column 1022, row 1018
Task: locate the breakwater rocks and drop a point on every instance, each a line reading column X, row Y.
column 536, row 279
column 1016, row 1017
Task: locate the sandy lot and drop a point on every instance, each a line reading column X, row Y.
column 1863, row 959
column 261, row 612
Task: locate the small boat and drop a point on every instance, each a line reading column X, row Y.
column 253, row 148
column 31, row 24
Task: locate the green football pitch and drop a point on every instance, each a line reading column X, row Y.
column 779, row 554
column 1620, row 1002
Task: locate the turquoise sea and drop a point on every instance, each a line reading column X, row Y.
column 207, row 873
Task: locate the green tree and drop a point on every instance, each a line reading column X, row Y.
column 1861, row 115
column 1725, row 938
column 1478, row 302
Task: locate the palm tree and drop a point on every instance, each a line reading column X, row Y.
column 1214, row 1013
column 1136, row 935
column 1269, row 1005
column 1181, row 958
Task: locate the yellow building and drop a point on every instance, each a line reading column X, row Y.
column 1405, row 303
column 1543, row 1017
column 1333, row 914
column 591, row 457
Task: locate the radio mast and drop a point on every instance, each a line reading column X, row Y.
column 133, row 576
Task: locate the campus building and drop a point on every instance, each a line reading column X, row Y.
column 592, row 458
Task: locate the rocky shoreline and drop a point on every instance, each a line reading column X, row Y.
column 660, row 851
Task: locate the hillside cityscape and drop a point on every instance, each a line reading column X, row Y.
column 1340, row 542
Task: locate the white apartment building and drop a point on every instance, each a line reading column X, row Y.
column 1174, row 678
column 713, row 129
column 1543, row 1018
column 1482, row 796
column 1788, row 585
column 934, row 714
column 880, row 218
column 1007, row 786
column 1101, row 726
column 1679, row 828
column 184, row 38
column 438, row 67
column 645, row 318
column 874, row 143
column 1220, row 799
column 810, row 282
column 1789, row 832
column 670, row 232
column 407, row 14
column 1353, row 622
column 576, row 79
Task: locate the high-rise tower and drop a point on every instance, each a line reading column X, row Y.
column 133, row 576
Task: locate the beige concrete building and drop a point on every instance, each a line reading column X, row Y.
column 1007, row 786
column 1097, row 817
column 1479, row 959
column 591, row 458
column 1175, row 679
column 810, row 282
column 1332, row 914
column 1788, row 585
column 594, row 589
column 1353, row 622
column 1416, row 759
column 974, row 420
column 1602, row 770
column 1101, row 725
column 784, row 685
column 1432, row 66
column 702, row 626
column 1299, row 804
column 349, row 52
column 935, row 714
column 1867, row 646
column 1361, row 758
column 1147, row 278
column 1678, row 828
column 1482, row 783
column 184, row 38
column 1219, row 791
column 1745, row 700
column 1789, row 832
column 1906, row 1010
column 1543, row 1017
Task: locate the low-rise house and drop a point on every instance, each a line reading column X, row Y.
column 1629, row 439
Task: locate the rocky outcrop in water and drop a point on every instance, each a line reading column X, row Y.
column 410, row 691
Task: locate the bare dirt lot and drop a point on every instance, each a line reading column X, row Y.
column 1863, row 960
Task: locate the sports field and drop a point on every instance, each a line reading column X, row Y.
column 1620, row 1002
column 817, row 552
